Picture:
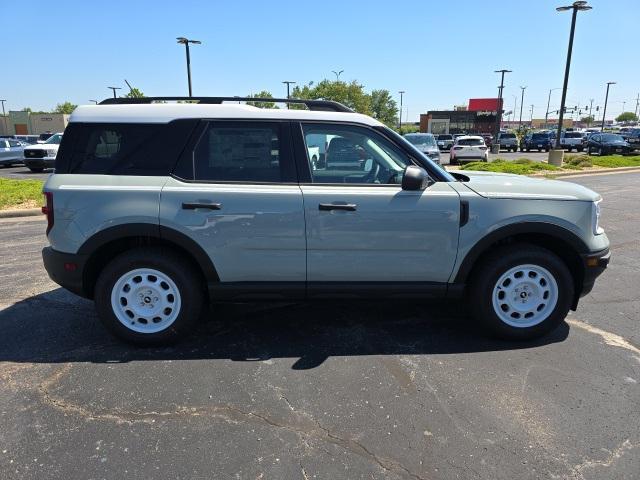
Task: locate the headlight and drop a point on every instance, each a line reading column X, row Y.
column 595, row 218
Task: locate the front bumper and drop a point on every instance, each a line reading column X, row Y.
column 66, row 269
column 46, row 162
column 594, row 264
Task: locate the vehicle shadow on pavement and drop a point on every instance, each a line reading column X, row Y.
column 58, row 327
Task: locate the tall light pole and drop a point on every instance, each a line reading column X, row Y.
column 521, row 104
column 531, row 117
column 546, row 115
column 4, row 117
column 606, row 98
column 500, row 88
column 288, row 83
column 575, row 6
column 337, row 74
column 114, row 90
column 401, row 92
column 637, row 103
column 186, row 42
column 590, row 108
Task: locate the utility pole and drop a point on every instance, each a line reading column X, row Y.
column 4, row 117
column 500, row 89
column 114, row 90
column 590, row 108
column 288, row 83
column 637, row 103
column 521, row 104
column 546, row 115
column 576, row 6
column 401, row 92
column 531, row 117
column 606, row 98
column 185, row 41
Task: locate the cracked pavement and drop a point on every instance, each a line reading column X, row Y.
column 330, row 390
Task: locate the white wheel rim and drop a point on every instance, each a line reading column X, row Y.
column 525, row 295
column 145, row 300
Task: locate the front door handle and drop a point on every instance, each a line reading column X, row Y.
column 193, row 206
column 349, row 207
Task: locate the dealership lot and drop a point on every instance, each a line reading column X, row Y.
column 332, row 390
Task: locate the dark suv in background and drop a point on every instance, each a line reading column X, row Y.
column 536, row 141
column 633, row 138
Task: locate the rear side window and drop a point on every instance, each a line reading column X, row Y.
column 123, row 148
column 239, row 151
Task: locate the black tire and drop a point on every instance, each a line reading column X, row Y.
column 569, row 149
column 36, row 169
column 180, row 271
column 588, row 150
column 579, row 149
column 499, row 261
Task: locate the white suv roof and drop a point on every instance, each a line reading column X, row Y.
column 166, row 112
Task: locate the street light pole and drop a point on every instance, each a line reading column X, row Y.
column 531, row 117
column 576, row 6
column 521, row 104
column 401, row 92
column 590, row 108
column 4, row 117
column 500, row 88
column 114, row 90
column 337, row 74
column 186, row 42
column 606, row 98
column 637, row 103
column 288, row 83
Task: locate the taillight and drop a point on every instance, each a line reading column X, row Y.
column 483, row 148
column 48, row 210
column 457, row 148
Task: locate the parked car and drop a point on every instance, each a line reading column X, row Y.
column 571, row 141
column 445, row 141
column 11, row 152
column 469, row 149
column 536, row 141
column 426, row 143
column 28, row 139
column 633, row 138
column 42, row 155
column 488, row 139
column 607, row 144
column 155, row 211
column 508, row 141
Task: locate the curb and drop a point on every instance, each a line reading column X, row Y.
column 26, row 212
column 582, row 173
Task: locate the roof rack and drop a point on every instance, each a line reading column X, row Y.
column 317, row 105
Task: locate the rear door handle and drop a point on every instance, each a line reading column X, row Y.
column 209, row 206
column 349, row 207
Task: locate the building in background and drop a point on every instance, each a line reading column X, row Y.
column 25, row 123
column 479, row 117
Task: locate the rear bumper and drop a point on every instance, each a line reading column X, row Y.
column 594, row 264
column 66, row 269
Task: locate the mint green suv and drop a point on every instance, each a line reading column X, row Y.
column 158, row 210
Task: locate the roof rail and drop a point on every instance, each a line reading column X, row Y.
column 318, row 105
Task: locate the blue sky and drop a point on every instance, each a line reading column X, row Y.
column 441, row 53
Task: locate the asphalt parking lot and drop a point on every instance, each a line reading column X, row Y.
column 332, row 390
column 20, row 172
column 536, row 156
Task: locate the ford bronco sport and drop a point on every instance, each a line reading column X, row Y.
column 157, row 209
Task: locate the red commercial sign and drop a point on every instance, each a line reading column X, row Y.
column 483, row 104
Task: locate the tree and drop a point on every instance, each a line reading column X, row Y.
column 350, row 94
column 262, row 94
column 134, row 93
column 627, row 117
column 588, row 119
column 384, row 108
column 66, row 107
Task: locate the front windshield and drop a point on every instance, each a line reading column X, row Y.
column 424, row 159
column 424, row 139
column 57, row 138
column 610, row 137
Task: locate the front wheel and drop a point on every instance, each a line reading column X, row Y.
column 521, row 291
column 36, row 169
column 149, row 296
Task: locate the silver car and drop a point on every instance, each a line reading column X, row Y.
column 426, row 143
column 11, row 151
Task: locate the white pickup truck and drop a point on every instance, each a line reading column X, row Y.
column 571, row 141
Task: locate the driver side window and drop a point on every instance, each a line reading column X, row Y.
column 351, row 154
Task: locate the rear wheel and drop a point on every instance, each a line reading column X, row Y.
column 149, row 296
column 521, row 292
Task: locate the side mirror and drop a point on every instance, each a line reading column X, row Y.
column 415, row 178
